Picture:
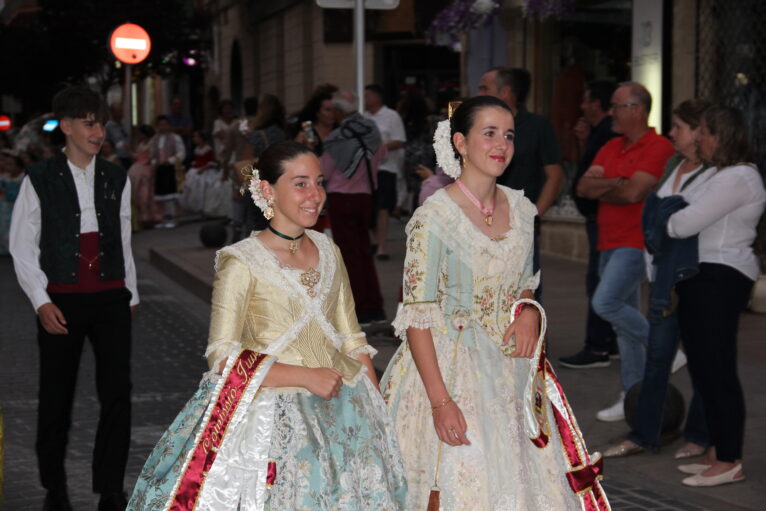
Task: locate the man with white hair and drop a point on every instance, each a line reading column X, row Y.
column 352, row 154
column 620, row 177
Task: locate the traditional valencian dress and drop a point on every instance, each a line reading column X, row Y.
column 526, row 450
column 239, row 446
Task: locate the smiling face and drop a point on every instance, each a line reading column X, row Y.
column 707, row 143
column 488, row 147
column 298, row 194
column 84, row 138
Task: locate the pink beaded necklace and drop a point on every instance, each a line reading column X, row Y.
column 487, row 212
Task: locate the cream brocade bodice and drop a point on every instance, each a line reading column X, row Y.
column 259, row 305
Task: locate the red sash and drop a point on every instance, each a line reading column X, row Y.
column 584, row 475
column 206, row 448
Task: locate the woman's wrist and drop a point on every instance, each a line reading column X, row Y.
column 441, row 403
column 438, row 395
column 528, row 308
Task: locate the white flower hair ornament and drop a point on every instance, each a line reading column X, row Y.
column 253, row 182
column 445, row 154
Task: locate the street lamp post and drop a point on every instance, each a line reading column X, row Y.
column 359, row 6
column 359, row 51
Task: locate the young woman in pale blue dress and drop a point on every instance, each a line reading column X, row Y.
column 480, row 416
column 290, row 416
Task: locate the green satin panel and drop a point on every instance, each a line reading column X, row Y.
column 255, row 313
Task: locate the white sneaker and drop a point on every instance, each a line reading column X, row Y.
column 614, row 413
column 678, row 362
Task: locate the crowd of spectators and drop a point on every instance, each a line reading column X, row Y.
column 641, row 197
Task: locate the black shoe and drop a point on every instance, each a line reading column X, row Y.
column 57, row 500
column 115, row 501
column 586, row 359
column 614, row 351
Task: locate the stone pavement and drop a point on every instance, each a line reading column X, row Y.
column 169, row 338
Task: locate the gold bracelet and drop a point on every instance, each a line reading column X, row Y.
column 447, row 400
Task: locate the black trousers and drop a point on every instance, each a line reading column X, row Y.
column 708, row 314
column 104, row 318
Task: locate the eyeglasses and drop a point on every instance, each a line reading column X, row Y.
column 615, row 106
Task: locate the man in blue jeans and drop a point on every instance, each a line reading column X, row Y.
column 621, row 175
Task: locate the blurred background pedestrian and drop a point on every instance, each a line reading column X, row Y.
column 167, row 156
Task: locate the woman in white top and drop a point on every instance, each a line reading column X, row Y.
column 684, row 172
column 724, row 212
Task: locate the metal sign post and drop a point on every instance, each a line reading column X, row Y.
column 359, row 6
column 359, row 51
column 130, row 44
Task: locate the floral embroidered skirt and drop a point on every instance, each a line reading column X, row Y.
column 502, row 469
column 331, row 455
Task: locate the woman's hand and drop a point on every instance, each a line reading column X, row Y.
column 450, row 424
column 323, row 382
column 526, row 328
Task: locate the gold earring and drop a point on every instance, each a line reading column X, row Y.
column 268, row 213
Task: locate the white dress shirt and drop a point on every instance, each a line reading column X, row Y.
column 391, row 128
column 24, row 236
column 724, row 210
column 156, row 148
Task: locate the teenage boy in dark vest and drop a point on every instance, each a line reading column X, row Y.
column 70, row 242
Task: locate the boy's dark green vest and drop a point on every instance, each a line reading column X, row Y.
column 60, row 218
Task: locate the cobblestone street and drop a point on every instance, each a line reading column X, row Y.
column 169, row 338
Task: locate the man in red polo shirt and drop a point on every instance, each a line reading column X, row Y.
column 621, row 175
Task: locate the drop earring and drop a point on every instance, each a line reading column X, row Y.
column 268, row 213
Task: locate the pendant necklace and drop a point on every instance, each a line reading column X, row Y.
column 293, row 241
column 309, row 279
column 89, row 261
column 487, row 212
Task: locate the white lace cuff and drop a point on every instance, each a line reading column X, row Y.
column 532, row 282
column 361, row 350
column 418, row 315
column 219, row 350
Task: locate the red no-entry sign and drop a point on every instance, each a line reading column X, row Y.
column 5, row 123
column 130, row 43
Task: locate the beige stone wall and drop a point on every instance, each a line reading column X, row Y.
column 283, row 55
column 564, row 238
column 339, row 68
column 269, row 46
column 294, row 43
column 684, row 47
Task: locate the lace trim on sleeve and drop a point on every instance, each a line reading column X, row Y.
column 221, row 349
column 361, row 350
column 532, row 282
column 423, row 315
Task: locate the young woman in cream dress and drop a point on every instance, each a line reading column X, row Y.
column 480, row 416
column 290, row 415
